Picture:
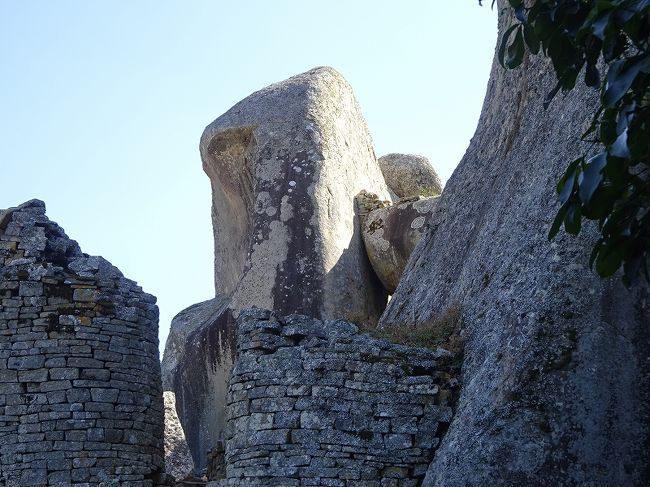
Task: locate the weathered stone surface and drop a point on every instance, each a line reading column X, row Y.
column 196, row 366
column 80, row 391
column 390, row 233
column 409, row 175
column 285, row 165
column 313, row 403
column 182, row 326
column 556, row 371
column 178, row 461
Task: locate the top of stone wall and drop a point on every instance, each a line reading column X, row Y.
column 45, row 241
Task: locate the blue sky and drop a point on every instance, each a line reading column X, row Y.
column 103, row 103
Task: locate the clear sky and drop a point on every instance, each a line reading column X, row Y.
column 102, row 104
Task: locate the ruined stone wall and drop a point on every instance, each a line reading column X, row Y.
column 317, row 403
column 80, row 393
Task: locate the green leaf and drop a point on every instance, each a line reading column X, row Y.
column 504, row 44
column 609, row 258
column 600, row 24
column 516, row 50
column 569, row 77
column 620, row 77
column 619, row 147
column 622, row 16
column 622, row 120
column 608, row 124
column 573, row 220
column 592, row 176
column 594, row 252
column 557, row 221
column 520, row 14
column 614, row 46
column 592, row 77
column 532, row 41
column 639, row 5
column 565, row 185
column 601, row 203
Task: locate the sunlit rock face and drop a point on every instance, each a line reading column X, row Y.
column 409, row 175
column 285, row 165
column 556, row 371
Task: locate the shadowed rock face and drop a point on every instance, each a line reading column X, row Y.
column 285, row 165
column 196, row 367
column 555, row 378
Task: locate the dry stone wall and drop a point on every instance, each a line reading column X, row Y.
column 80, row 392
column 317, row 403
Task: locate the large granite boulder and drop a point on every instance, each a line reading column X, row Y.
column 409, row 175
column 391, row 232
column 285, row 165
column 196, row 366
column 556, row 372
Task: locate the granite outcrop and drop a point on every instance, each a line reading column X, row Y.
column 178, row 461
column 409, row 175
column 556, row 377
column 391, row 232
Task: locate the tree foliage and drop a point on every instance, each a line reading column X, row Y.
column 605, row 42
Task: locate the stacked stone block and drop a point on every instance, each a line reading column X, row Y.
column 80, row 394
column 314, row 403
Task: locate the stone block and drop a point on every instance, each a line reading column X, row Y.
column 27, row 362
column 37, row 375
column 30, row 289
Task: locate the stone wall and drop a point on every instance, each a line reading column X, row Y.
column 80, row 393
column 318, row 403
